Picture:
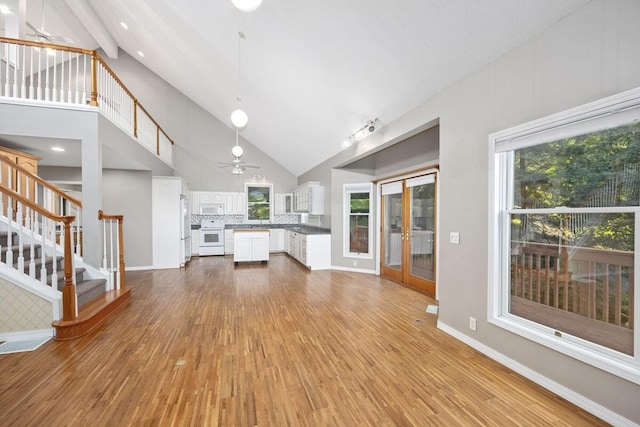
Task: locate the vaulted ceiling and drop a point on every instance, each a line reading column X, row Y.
column 309, row 72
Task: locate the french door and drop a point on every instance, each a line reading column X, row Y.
column 408, row 232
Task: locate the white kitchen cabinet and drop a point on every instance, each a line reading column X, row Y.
column 205, row 197
column 278, row 207
column 309, row 198
column 217, row 197
column 250, row 245
column 195, row 242
column 195, row 202
column 276, row 240
column 234, row 203
column 313, row 250
column 283, row 203
column 228, row 241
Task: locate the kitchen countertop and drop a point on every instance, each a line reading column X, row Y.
column 298, row 228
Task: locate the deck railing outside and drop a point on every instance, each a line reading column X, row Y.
column 584, row 283
column 60, row 74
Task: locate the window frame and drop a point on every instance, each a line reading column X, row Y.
column 613, row 111
column 347, row 190
column 271, row 203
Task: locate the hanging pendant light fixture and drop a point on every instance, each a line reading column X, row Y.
column 238, row 117
column 247, row 5
column 237, row 151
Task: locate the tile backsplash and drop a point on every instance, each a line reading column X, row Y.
column 239, row 219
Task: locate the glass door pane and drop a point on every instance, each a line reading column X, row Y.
column 393, row 231
column 421, row 229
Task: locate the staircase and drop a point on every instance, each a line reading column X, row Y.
column 86, row 290
column 41, row 266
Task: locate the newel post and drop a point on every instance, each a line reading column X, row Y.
column 94, row 79
column 121, row 250
column 69, row 309
column 135, row 118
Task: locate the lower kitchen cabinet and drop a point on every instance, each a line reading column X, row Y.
column 195, row 242
column 228, row 242
column 277, row 240
column 250, row 245
column 312, row 250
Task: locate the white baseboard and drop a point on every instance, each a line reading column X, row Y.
column 353, row 270
column 26, row 335
column 139, row 268
column 557, row 388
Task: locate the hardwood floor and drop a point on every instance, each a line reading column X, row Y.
column 269, row 345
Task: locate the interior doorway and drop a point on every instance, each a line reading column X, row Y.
column 408, row 231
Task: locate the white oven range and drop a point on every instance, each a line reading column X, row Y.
column 211, row 237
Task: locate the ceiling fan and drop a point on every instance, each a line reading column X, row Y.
column 238, row 166
column 41, row 35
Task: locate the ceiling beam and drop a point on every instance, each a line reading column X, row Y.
column 94, row 26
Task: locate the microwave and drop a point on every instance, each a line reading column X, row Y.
column 212, row 209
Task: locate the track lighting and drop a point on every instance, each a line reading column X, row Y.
column 361, row 133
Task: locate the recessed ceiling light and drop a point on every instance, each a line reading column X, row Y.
column 141, row 54
column 124, row 25
column 56, row 148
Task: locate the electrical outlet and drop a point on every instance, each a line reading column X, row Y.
column 472, row 323
column 454, row 237
column 355, row 263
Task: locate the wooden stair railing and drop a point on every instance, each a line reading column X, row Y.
column 69, row 303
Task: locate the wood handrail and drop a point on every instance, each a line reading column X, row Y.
column 36, row 178
column 102, row 215
column 133, row 98
column 46, row 45
column 17, row 196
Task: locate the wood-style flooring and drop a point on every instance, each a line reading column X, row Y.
column 269, row 345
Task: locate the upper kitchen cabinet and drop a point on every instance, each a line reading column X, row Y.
column 309, row 198
column 283, row 203
column 234, row 204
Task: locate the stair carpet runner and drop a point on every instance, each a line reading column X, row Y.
column 87, row 290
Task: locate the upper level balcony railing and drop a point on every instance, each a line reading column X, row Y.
column 61, row 74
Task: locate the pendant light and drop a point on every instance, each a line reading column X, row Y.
column 237, row 151
column 247, row 5
column 238, row 117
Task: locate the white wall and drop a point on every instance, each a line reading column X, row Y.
column 588, row 55
column 125, row 192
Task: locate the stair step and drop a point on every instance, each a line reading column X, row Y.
column 26, row 253
column 92, row 315
column 88, row 290
column 4, row 235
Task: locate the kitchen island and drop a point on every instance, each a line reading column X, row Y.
column 250, row 245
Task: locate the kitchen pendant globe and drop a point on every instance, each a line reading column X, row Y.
column 239, row 118
column 237, row 151
column 247, row 5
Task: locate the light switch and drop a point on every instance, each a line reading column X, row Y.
column 454, row 237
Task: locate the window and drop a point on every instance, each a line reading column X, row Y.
column 259, row 202
column 565, row 222
column 357, row 229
